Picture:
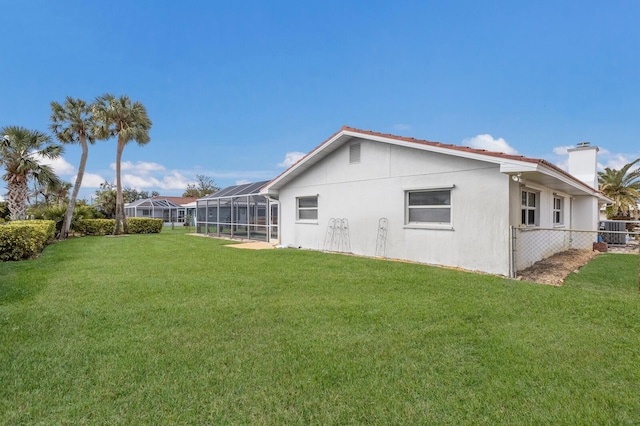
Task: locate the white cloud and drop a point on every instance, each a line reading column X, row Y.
column 243, row 182
column 291, row 158
column 617, row 161
column 562, row 150
column 488, row 142
column 60, row 166
column 139, row 182
column 90, row 180
column 141, row 167
column 174, row 180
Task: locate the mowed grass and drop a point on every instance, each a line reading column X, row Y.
column 175, row 329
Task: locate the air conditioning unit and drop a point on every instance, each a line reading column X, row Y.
column 613, row 232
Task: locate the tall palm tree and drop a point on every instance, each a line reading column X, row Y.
column 129, row 122
column 72, row 122
column 21, row 151
column 622, row 186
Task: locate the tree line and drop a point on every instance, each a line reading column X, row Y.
column 76, row 121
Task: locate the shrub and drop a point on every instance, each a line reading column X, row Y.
column 144, row 225
column 54, row 213
column 4, row 211
column 24, row 239
column 57, row 212
column 136, row 225
column 94, row 226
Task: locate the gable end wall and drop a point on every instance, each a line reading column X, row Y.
column 375, row 188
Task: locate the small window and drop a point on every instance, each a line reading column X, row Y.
column 307, row 208
column 354, row 153
column 530, row 208
column 557, row 211
column 428, row 207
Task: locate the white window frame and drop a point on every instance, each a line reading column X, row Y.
column 557, row 211
column 526, row 208
column 424, row 224
column 307, row 209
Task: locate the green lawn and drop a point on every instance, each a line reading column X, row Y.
column 174, row 329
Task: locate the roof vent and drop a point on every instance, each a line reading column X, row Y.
column 583, row 145
column 354, row 153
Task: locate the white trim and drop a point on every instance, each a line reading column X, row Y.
column 507, row 165
column 316, row 209
column 425, row 224
column 527, row 208
column 534, row 187
column 432, row 227
column 427, row 188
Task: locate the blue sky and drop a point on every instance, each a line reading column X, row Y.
column 235, row 88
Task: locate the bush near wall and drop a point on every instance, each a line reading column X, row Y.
column 24, row 239
column 136, row 225
column 144, row 225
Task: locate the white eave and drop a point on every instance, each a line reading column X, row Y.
column 532, row 170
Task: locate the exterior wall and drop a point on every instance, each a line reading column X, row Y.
column 534, row 243
column 375, row 188
column 585, row 213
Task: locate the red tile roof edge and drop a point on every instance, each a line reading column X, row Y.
column 440, row 145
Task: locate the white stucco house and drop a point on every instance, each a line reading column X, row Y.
column 377, row 194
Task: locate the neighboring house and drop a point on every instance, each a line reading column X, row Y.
column 172, row 210
column 377, row 194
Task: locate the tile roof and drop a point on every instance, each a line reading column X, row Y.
column 462, row 149
column 456, row 147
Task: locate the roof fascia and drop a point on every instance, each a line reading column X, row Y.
column 308, row 160
column 588, row 190
column 507, row 165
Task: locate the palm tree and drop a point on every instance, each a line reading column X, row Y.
column 129, row 122
column 60, row 193
column 622, row 186
column 71, row 123
column 20, row 154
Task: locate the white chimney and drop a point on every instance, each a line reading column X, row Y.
column 583, row 163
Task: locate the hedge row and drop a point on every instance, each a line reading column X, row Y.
column 94, row 226
column 144, row 225
column 136, row 225
column 24, row 239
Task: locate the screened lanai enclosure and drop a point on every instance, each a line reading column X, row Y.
column 156, row 208
column 238, row 212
